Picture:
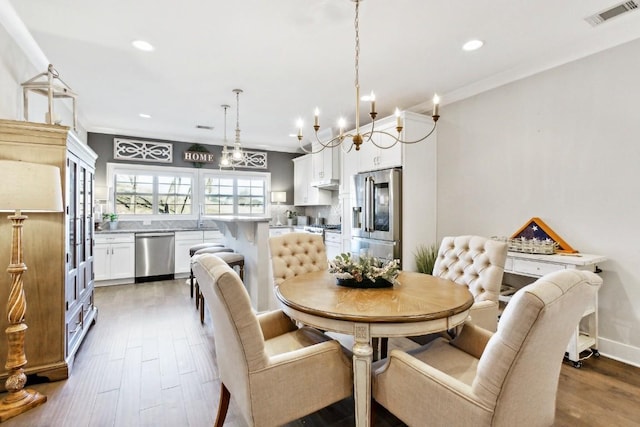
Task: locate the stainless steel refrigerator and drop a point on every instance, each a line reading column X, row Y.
column 376, row 218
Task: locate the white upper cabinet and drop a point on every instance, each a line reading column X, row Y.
column 326, row 166
column 303, row 193
column 372, row 157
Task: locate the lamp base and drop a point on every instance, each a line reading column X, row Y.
column 20, row 402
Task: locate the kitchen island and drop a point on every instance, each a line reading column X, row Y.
column 249, row 236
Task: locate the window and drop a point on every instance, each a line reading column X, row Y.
column 174, row 195
column 145, row 190
column 235, row 194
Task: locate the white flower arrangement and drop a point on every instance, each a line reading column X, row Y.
column 364, row 267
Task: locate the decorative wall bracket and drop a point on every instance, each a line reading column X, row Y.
column 252, row 160
column 142, row 151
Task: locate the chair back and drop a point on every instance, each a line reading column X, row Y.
column 239, row 341
column 473, row 261
column 519, row 369
column 293, row 254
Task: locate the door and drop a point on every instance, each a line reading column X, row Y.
column 102, row 258
column 122, row 260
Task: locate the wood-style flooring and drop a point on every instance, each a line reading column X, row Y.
column 149, row 362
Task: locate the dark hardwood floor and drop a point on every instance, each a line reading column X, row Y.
column 149, row 362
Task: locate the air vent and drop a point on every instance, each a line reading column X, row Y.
column 204, row 127
column 612, row 12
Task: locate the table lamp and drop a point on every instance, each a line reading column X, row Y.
column 278, row 197
column 28, row 187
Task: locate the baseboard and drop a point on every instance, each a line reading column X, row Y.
column 621, row 352
column 101, row 283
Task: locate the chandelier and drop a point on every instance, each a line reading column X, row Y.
column 357, row 137
column 235, row 157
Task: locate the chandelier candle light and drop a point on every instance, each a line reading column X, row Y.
column 357, row 137
column 234, row 158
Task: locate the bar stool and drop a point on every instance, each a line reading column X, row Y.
column 192, row 250
column 207, row 250
column 233, row 260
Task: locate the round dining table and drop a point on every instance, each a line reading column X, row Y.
column 418, row 304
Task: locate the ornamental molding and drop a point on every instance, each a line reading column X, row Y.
column 252, row 160
column 142, row 151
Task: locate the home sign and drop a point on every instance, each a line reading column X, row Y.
column 198, row 157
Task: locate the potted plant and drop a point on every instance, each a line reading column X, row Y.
column 290, row 216
column 112, row 217
column 364, row 271
column 425, row 257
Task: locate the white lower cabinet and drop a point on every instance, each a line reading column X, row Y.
column 186, row 239
column 333, row 244
column 114, row 257
column 279, row 231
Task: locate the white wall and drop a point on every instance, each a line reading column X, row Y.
column 20, row 61
column 13, row 65
column 563, row 145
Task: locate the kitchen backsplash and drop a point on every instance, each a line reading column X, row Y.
column 162, row 225
column 331, row 214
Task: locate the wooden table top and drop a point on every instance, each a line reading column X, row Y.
column 418, row 297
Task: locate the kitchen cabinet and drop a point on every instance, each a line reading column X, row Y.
column 279, row 231
column 332, row 244
column 371, row 157
column 184, row 240
column 114, row 258
column 585, row 336
column 303, row 193
column 326, row 163
column 213, row 236
column 58, row 250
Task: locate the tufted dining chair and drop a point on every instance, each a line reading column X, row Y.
column 293, row 254
column 275, row 371
column 477, row 263
column 506, row 378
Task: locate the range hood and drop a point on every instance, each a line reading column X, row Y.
column 327, row 184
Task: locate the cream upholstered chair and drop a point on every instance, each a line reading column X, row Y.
column 275, row 371
column 509, row 378
column 478, row 263
column 293, row 254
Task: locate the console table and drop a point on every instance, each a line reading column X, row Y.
column 534, row 265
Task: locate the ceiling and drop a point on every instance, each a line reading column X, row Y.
column 290, row 56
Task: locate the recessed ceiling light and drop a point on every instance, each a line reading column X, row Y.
column 145, row 116
column 142, row 45
column 472, row 45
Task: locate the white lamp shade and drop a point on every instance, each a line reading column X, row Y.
column 278, row 196
column 30, row 187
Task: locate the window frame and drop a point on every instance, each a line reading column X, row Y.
column 198, row 179
column 236, row 175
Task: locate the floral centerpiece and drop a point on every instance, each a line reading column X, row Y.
column 364, row 271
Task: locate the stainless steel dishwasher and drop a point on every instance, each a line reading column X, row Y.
column 154, row 256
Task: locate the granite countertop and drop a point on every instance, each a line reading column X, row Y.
column 152, row 230
column 238, row 218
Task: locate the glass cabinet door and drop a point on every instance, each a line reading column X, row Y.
column 72, row 194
